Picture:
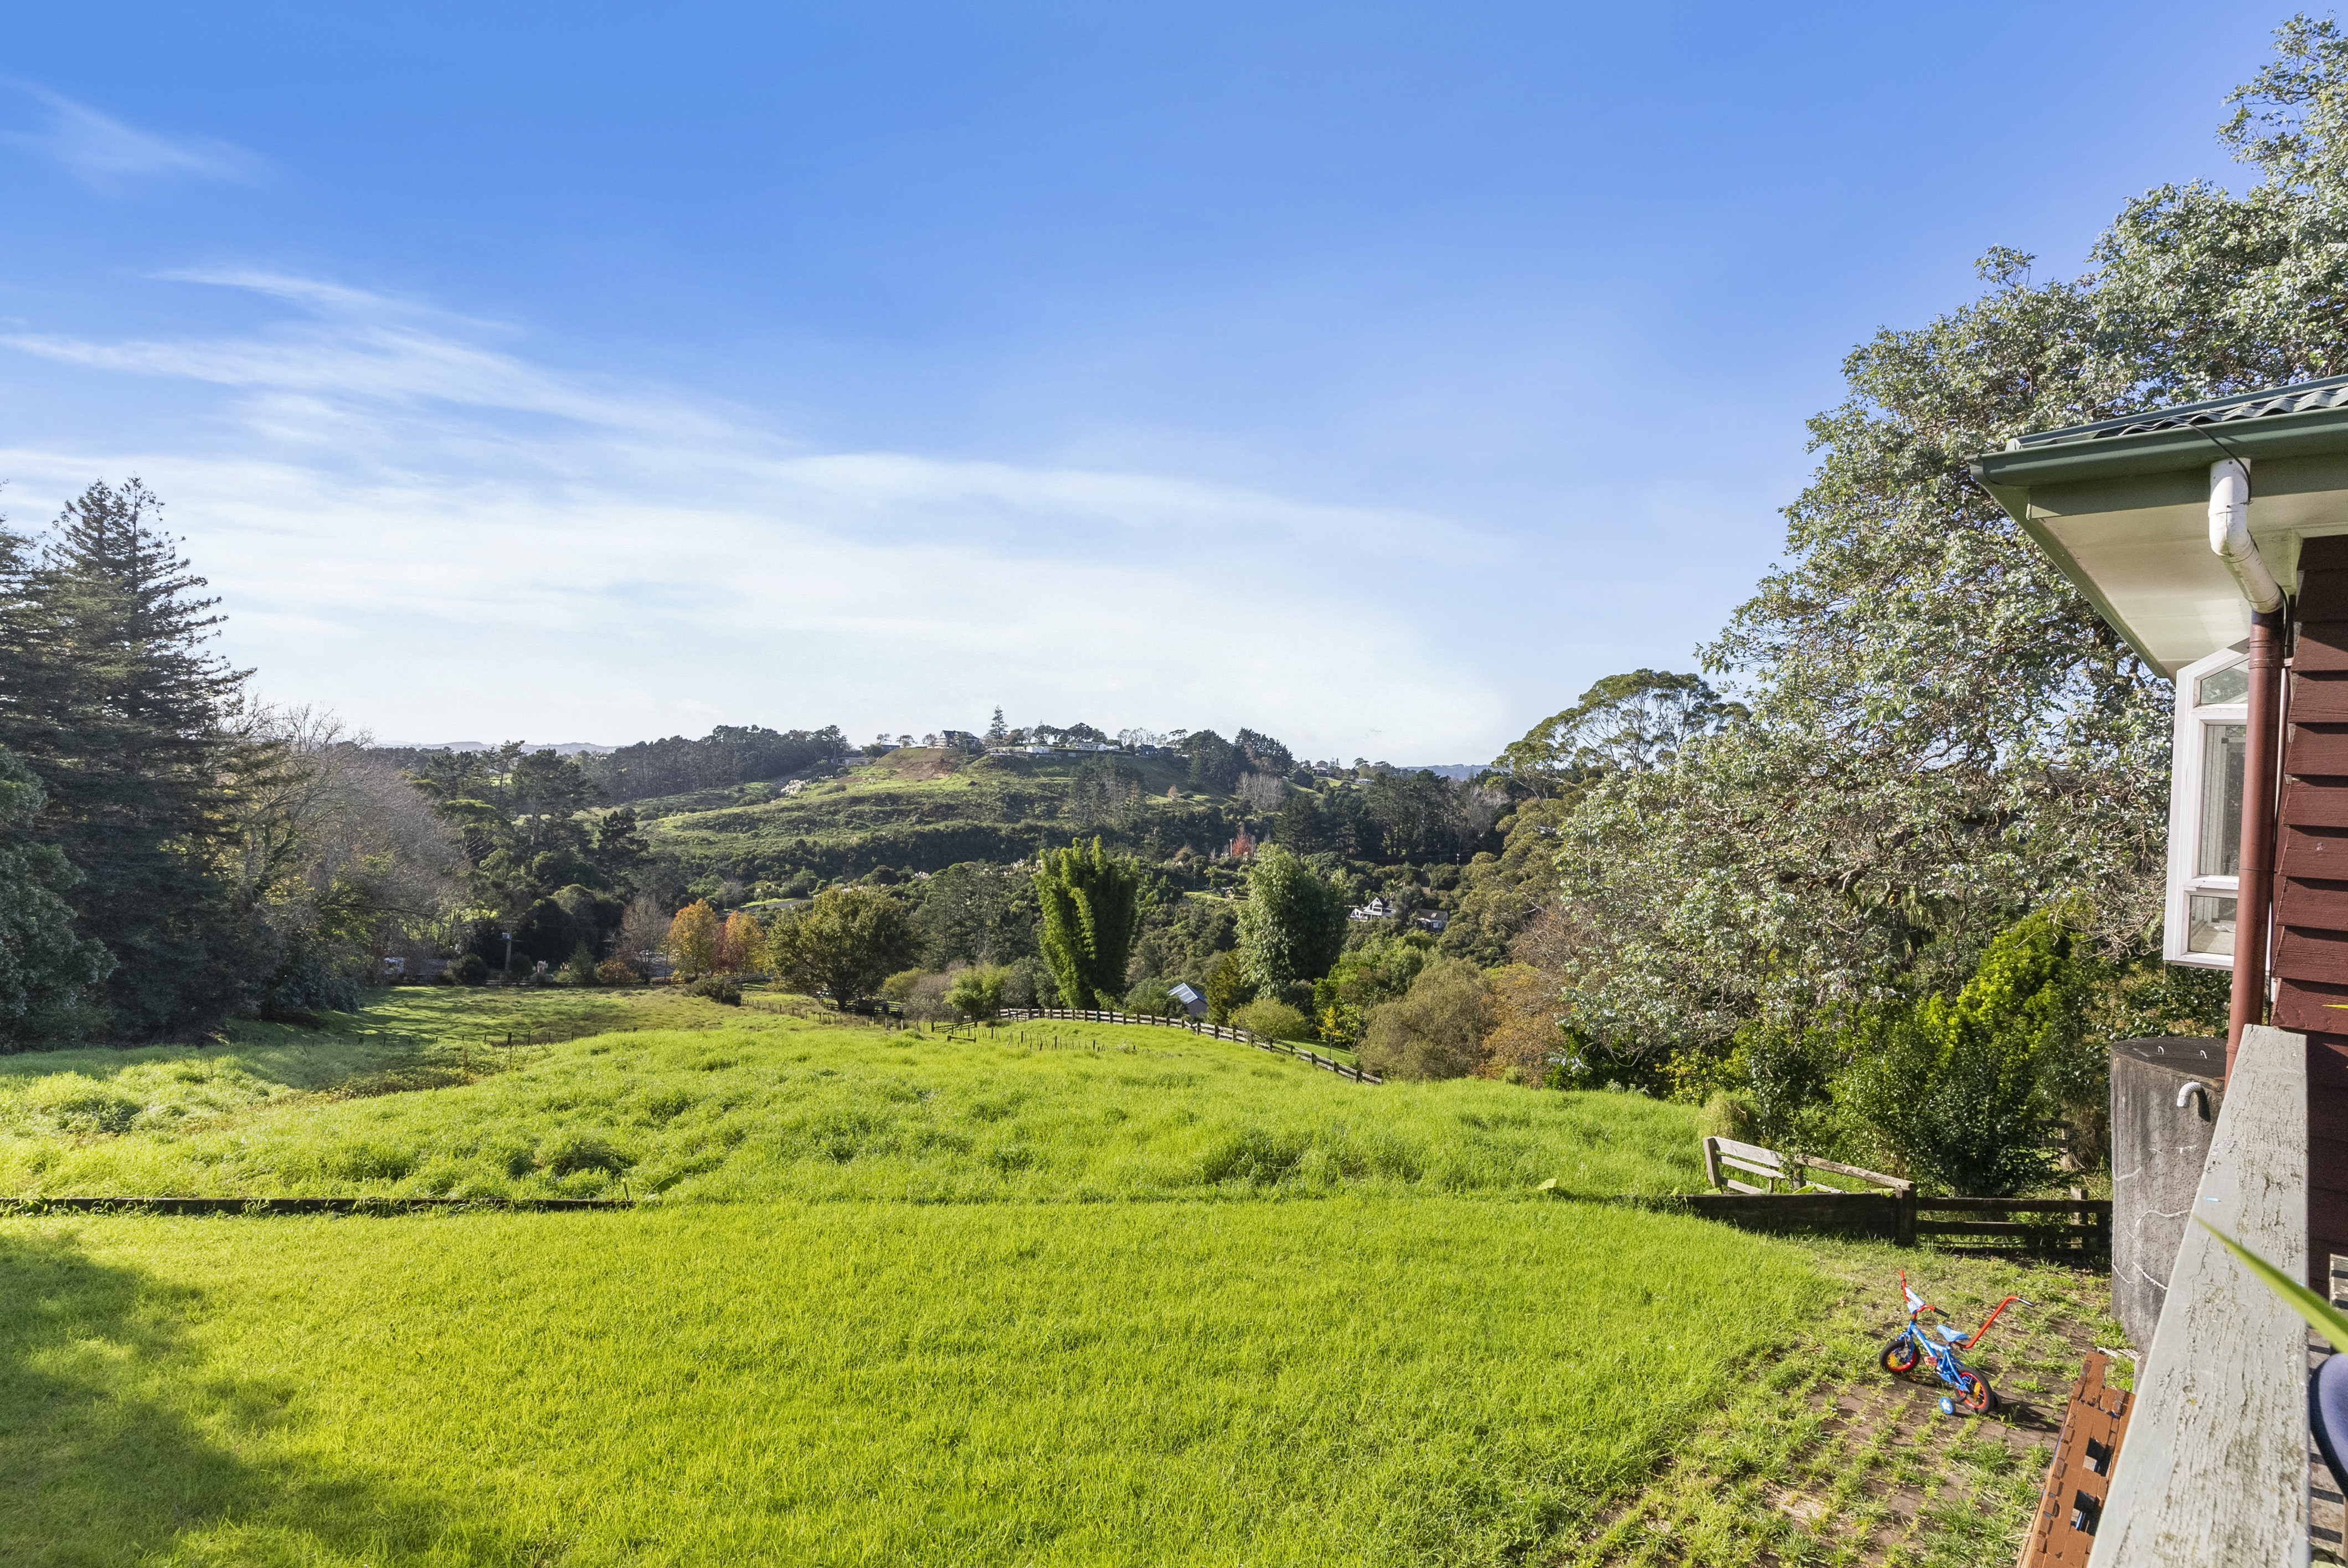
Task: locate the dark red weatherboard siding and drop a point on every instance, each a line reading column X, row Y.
column 2311, row 962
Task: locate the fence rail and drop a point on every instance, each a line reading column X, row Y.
column 1894, row 1212
column 1219, row 1032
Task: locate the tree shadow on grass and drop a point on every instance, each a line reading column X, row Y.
column 119, row 1444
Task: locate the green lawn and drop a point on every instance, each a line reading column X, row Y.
column 1087, row 1295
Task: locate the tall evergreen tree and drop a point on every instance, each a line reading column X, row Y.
column 1092, row 911
column 50, row 979
column 109, row 693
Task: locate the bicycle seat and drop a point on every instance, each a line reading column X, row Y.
column 1954, row 1336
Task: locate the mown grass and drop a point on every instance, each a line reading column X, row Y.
column 1354, row 1380
column 753, row 1104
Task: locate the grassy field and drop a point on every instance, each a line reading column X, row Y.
column 691, row 1100
column 1096, row 1295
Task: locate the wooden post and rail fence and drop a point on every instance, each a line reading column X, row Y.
column 1890, row 1208
column 1198, row 1026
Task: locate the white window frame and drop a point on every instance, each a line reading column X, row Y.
column 2185, row 753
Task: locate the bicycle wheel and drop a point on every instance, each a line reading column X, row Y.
column 1899, row 1357
column 1974, row 1396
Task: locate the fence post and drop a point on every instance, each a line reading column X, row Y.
column 1712, row 1159
column 1905, row 1227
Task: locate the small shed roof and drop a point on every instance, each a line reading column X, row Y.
column 2122, row 505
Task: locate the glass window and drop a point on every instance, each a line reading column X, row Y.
column 2209, row 926
column 2222, row 748
column 2231, row 685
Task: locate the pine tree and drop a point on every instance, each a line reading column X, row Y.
column 997, row 731
column 110, row 695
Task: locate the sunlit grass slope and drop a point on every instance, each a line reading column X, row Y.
column 1357, row 1380
column 691, row 1101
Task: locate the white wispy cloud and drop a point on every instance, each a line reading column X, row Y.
column 435, row 534
column 103, row 153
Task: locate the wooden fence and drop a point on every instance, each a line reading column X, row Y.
column 1789, row 1199
column 1219, row 1032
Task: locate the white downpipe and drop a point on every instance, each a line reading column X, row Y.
column 2230, row 534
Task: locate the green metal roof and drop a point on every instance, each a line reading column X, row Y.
column 2281, row 422
column 2121, row 505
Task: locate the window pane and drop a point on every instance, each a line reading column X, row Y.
column 2222, row 802
column 2209, row 926
column 2232, row 685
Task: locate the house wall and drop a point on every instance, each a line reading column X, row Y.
column 2311, row 945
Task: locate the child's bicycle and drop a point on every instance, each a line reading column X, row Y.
column 1912, row 1345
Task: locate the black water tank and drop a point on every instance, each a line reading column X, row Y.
column 2158, row 1148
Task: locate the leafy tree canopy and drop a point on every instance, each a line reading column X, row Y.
column 1944, row 734
column 846, row 941
column 1625, row 724
column 1293, row 926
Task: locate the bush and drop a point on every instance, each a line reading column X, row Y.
column 1029, row 984
column 898, row 987
column 926, row 1002
column 581, row 966
column 615, row 972
column 977, row 991
column 470, row 970
column 1227, row 988
column 1273, row 1021
column 722, row 988
column 1149, row 998
column 1959, row 1090
column 1436, row 1029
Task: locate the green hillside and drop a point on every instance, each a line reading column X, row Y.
column 925, row 810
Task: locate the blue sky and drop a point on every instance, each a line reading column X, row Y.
column 1375, row 377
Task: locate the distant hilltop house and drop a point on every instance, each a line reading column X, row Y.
column 960, row 740
column 1192, row 1001
column 1375, row 909
column 1433, row 920
column 1052, row 749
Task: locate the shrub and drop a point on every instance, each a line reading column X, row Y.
column 470, row 970
column 1436, row 1029
column 1228, row 990
column 1959, row 1090
column 977, row 991
column 1274, row 1020
column 722, row 988
column 898, row 987
column 581, row 966
column 615, row 972
column 1149, row 998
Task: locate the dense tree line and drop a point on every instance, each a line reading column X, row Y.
column 212, row 856
column 729, row 754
